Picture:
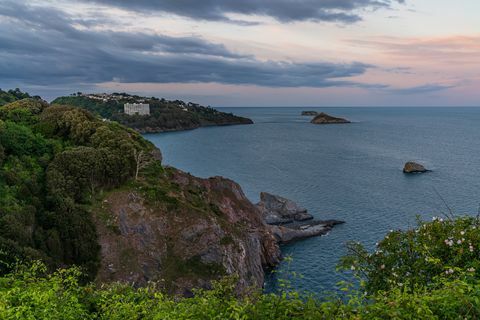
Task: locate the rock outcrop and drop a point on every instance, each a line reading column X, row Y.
column 278, row 210
column 413, row 167
column 323, row 118
column 309, row 113
column 290, row 222
column 290, row 233
column 182, row 232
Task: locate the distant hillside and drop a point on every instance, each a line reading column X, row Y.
column 165, row 115
column 11, row 96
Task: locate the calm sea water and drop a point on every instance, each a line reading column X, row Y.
column 349, row 172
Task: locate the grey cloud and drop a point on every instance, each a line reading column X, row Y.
column 344, row 11
column 40, row 46
column 427, row 88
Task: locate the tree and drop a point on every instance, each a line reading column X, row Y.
column 141, row 161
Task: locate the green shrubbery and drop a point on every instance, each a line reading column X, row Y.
column 53, row 162
column 413, row 290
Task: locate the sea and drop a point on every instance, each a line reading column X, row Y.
column 351, row 172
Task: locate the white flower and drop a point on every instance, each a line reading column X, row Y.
column 459, row 241
column 382, row 266
column 449, row 242
column 400, row 284
column 471, row 269
column 352, row 268
column 470, row 248
column 462, row 232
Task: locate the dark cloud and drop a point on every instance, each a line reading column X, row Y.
column 427, row 88
column 344, row 11
column 41, row 46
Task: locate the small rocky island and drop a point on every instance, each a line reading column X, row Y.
column 323, row 118
column 413, row 167
column 288, row 221
column 309, row 113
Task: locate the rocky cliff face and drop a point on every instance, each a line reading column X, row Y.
column 181, row 232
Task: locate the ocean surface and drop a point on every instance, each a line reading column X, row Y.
column 348, row 172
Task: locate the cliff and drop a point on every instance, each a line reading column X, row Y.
column 76, row 190
column 184, row 234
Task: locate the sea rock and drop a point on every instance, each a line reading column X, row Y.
column 290, row 233
column 323, row 118
column 278, row 210
column 309, row 113
column 413, row 167
column 290, row 222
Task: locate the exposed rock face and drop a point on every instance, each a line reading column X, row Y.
column 413, row 167
column 192, row 231
column 279, row 210
column 309, row 113
column 323, row 118
column 289, row 221
column 289, row 233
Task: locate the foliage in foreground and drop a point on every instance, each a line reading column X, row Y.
column 429, row 291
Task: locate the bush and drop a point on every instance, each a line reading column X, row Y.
column 441, row 249
column 31, row 293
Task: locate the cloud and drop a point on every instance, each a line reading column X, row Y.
column 427, row 88
column 458, row 49
column 43, row 46
column 344, row 11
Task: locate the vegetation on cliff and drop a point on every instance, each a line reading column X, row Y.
column 53, row 162
column 72, row 184
column 165, row 115
column 429, row 272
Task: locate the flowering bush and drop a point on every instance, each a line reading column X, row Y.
column 426, row 273
column 419, row 257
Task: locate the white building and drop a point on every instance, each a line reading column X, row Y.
column 142, row 109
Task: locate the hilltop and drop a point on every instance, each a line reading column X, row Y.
column 13, row 95
column 165, row 115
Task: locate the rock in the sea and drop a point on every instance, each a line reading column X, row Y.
column 323, row 118
column 413, row 167
column 286, row 234
column 290, row 222
column 309, row 113
column 279, row 210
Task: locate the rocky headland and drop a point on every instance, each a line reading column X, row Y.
column 290, row 222
column 413, row 167
column 200, row 230
column 165, row 115
column 323, row 118
column 116, row 212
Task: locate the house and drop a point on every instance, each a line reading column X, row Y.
column 142, row 109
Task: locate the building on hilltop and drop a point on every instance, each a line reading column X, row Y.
column 142, row 109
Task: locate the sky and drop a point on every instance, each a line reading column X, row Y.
column 247, row 53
